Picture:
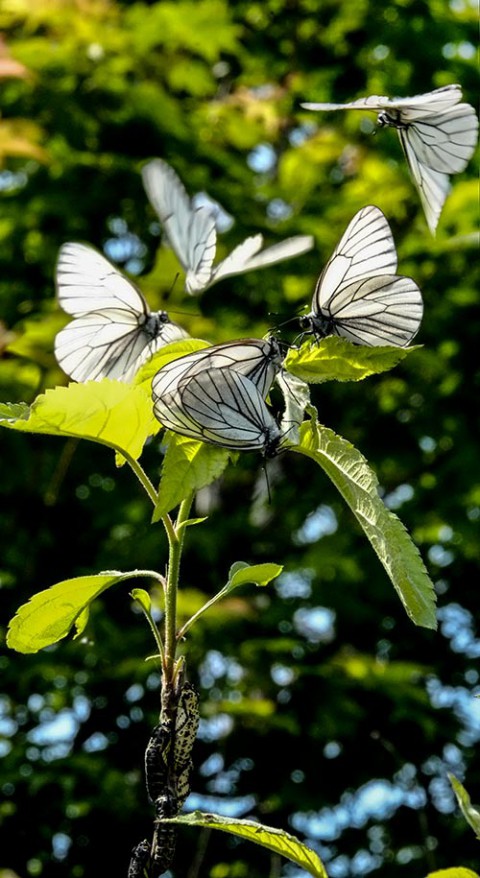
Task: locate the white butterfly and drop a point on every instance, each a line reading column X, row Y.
column 113, row 331
column 438, row 135
column 192, row 234
column 358, row 295
column 221, row 407
column 258, row 359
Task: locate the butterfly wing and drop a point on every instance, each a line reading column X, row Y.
column 113, row 331
column 190, row 231
column 248, row 255
column 87, row 282
column 384, row 310
column 258, row 359
column 358, row 295
column 228, row 410
column 365, row 249
column 373, row 102
column 411, row 108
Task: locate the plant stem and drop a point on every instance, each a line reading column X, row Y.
column 142, row 478
column 176, row 536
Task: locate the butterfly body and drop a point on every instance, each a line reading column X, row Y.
column 438, row 133
column 153, row 323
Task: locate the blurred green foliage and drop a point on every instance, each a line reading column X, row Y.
column 325, row 712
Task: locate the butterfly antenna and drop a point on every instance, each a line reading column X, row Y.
column 267, row 482
column 170, row 291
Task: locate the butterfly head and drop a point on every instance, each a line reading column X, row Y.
column 391, row 119
column 154, row 323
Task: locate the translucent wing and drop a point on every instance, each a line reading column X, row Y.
column 411, row 108
column 192, row 235
column 190, row 231
column 374, row 102
column 113, row 331
column 365, row 249
column 377, row 311
column 86, row 282
column 229, row 411
column 358, row 295
column 249, row 256
column 436, row 147
column 258, row 359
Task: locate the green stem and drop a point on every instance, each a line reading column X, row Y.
column 142, row 478
column 176, row 536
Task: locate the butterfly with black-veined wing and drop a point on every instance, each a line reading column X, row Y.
column 258, row 359
column 438, row 133
column 358, row 295
column 192, row 235
column 221, row 407
column 113, row 331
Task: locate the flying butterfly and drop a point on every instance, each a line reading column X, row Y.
column 113, row 331
column 260, row 360
column 192, row 235
column 358, row 295
column 438, row 133
column 221, row 407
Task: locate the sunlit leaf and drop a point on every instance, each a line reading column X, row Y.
column 337, row 359
column 115, row 414
column 51, row 614
column 259, row 574
column 273, row 839
column 358, row 484
column 143, row 598
column 454, row 872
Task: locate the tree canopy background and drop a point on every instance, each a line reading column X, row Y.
column 324, row 711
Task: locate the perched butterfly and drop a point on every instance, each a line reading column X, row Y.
column 358, row 295
column 222, row 407
column 113, row 331
column 192, row 234
column 438, row 134
column 258, row 359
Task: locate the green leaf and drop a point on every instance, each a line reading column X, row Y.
column 259, row 574
column 337, row 359
column 358, row 484
column 273, row 839
column 453, row 872
column 240, row 573
column 471, row 813
column 115, row 414
column 51, row 614
column 188, row 466
column 143, row 598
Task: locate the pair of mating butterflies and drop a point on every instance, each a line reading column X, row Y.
column 217, row 395
column 438, row 133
